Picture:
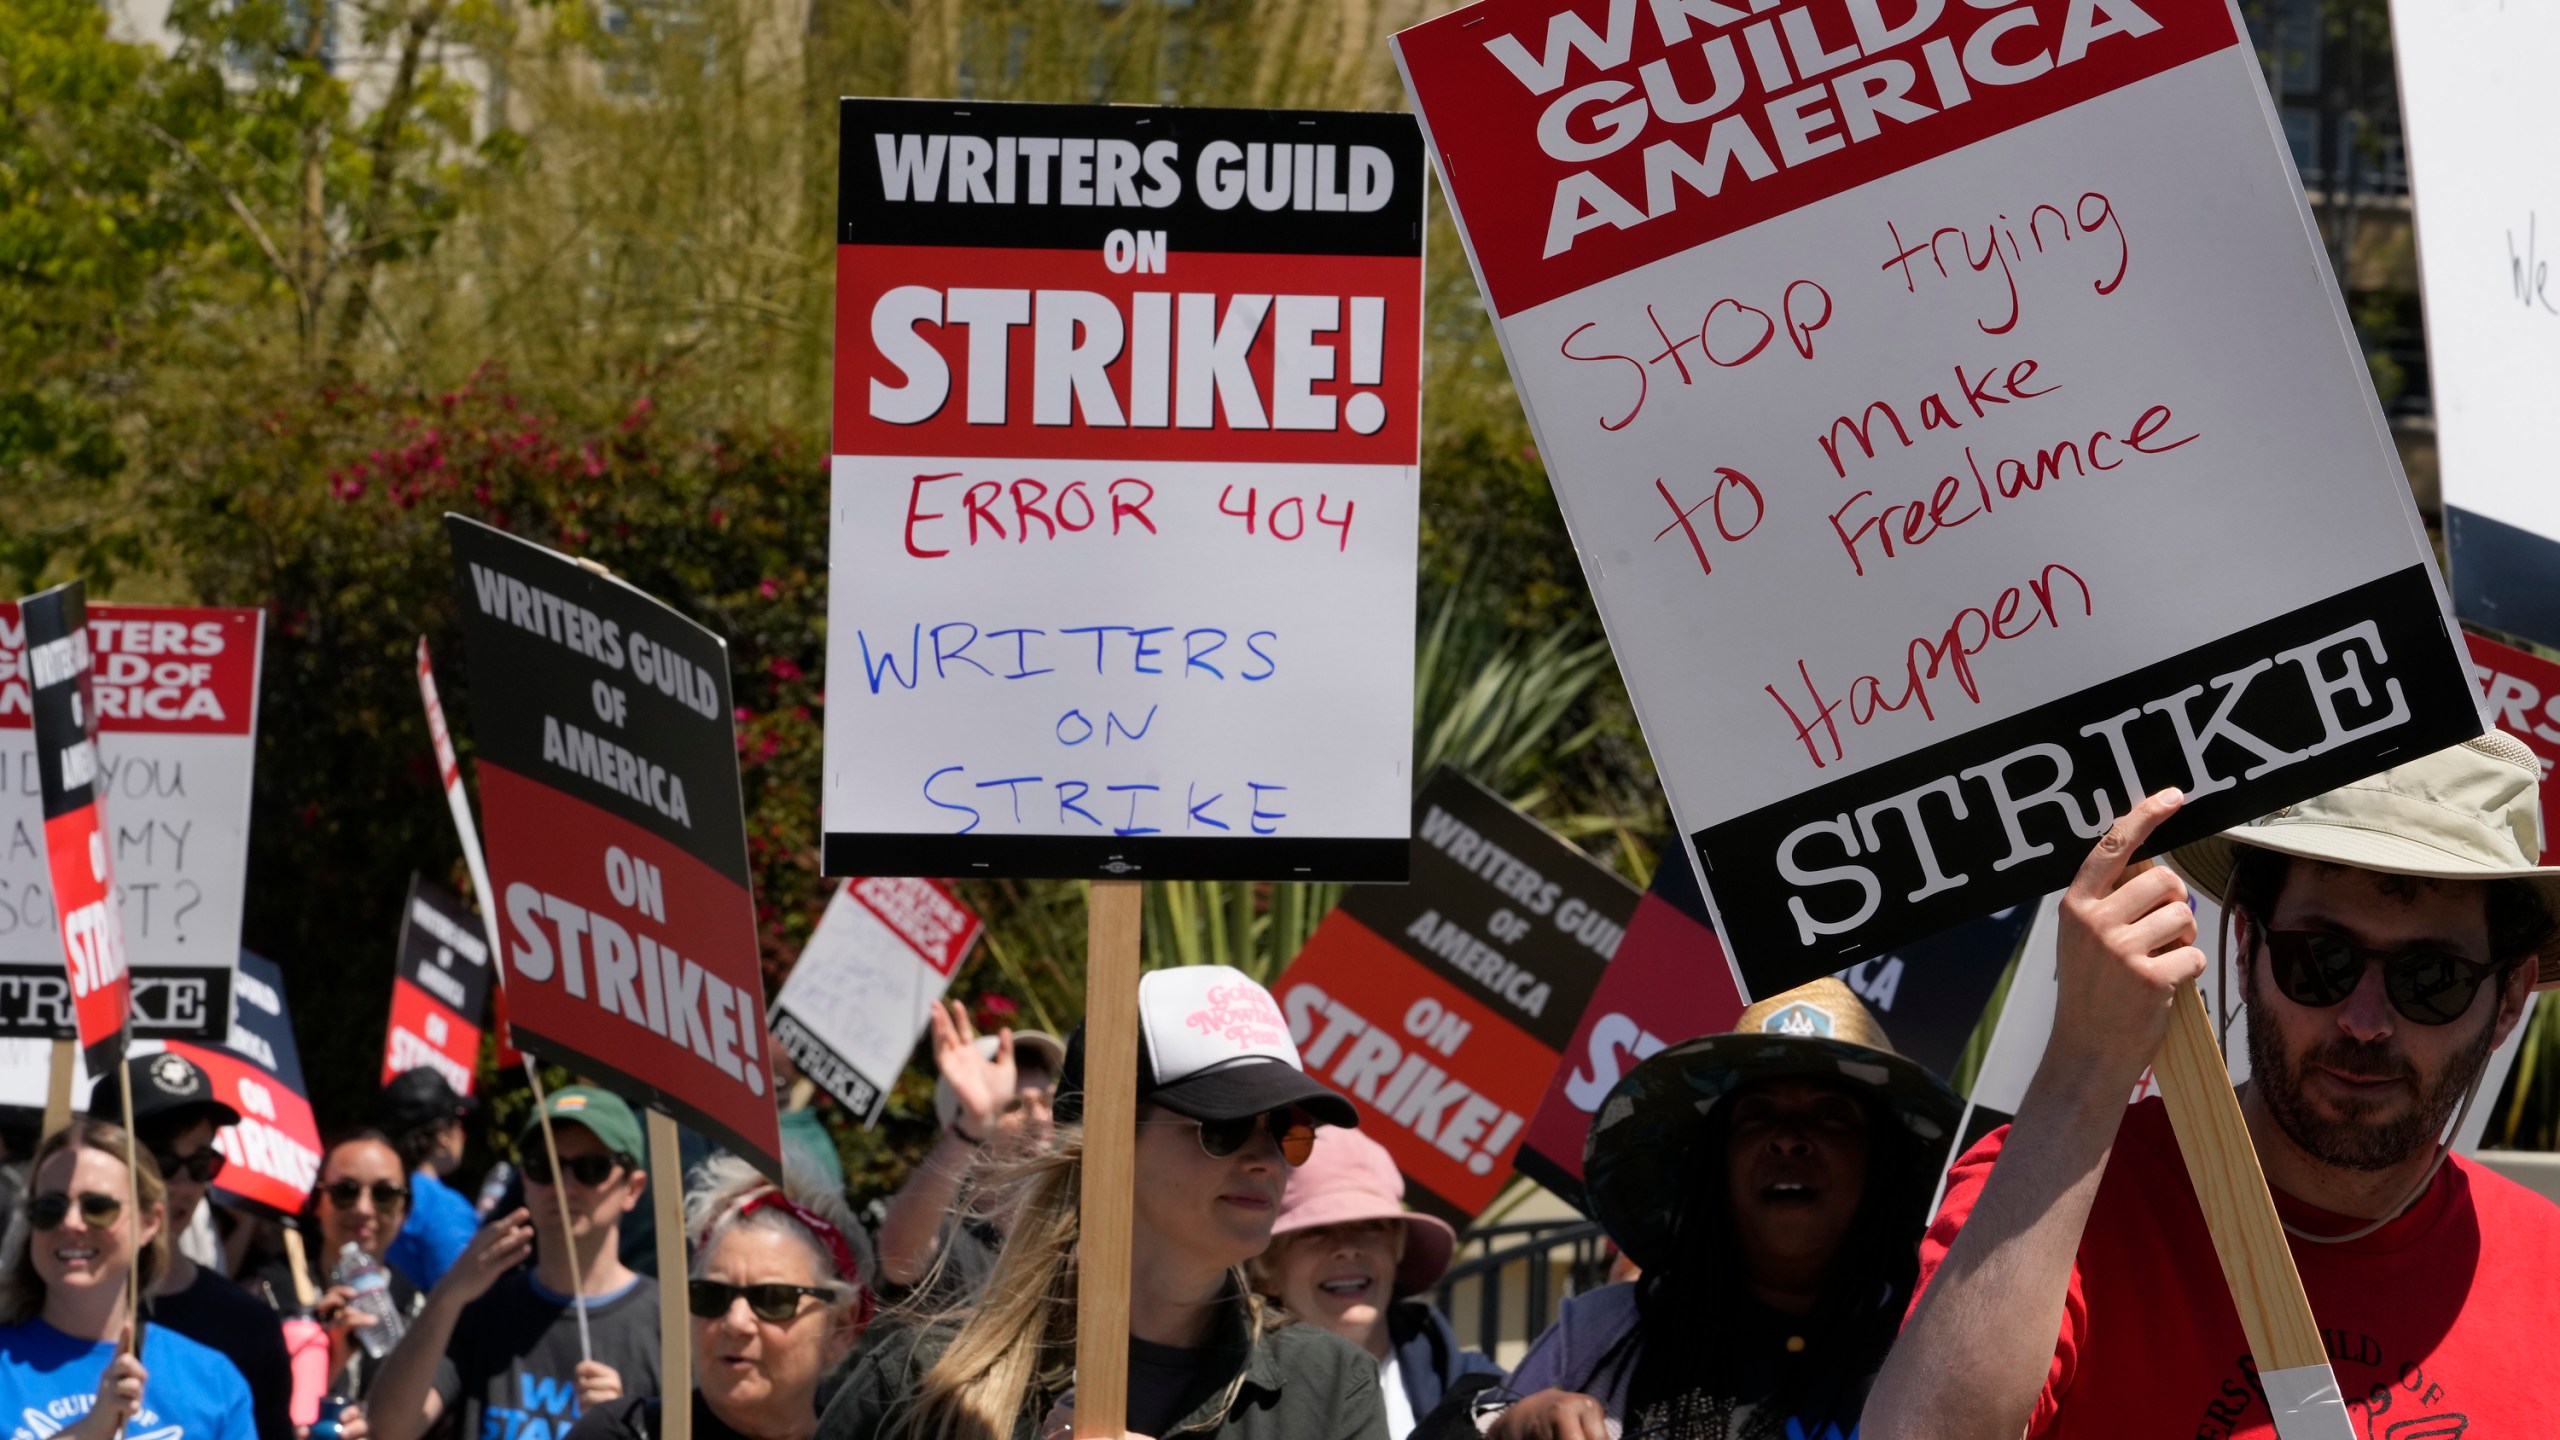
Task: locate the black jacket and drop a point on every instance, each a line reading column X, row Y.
column 1300, row 1383
column 1428, row 1355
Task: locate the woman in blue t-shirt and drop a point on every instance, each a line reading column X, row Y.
column 69, row 1254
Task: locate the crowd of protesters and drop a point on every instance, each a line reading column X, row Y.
column 1767, row 1191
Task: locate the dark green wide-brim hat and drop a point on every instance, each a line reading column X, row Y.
column 1642, row 1151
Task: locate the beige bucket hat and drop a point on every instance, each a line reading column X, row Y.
column 2470, row 812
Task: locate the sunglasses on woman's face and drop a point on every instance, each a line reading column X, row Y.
column 773, row 1302
column 2427, row 986
column 1293, row 1129
column 97, row 1211
column 345, row 1193
column 200, row 1167
column 588, row 1170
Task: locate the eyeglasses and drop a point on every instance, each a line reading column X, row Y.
column 97, row 1211
column 588, row 1170
column 1293, row 1129
column 200, row 1167
column 774, row 1302
column 2427, row 987
column 345, row 1193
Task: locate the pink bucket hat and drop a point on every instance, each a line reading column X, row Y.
column 1351, row 1178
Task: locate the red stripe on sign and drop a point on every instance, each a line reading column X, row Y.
column 1581, row 140
column 2523, row 695
column 158, row 669
column 92, row 930
column 426, row 1031
column 274, row 1152
column 627, row 950
column 1046, row 354
column 1442, row 1080
column 924, row 913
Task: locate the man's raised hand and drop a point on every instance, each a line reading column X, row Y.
column 985, row 1088
column 2128, row 940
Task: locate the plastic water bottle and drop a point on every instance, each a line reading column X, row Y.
column 364, row 1275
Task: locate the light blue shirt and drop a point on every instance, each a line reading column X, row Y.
column 49, row 1382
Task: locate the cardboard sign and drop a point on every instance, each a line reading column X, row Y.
column 617, row 851
column 440, row 985
column 2484, row 157
column 2521, row 692
column 275, row 1149
column 177, row 712
column 78, row 861
column 1960, row 427
column 866, row 985
column 1441, row 1007
column 1126, row 490
column 1670, row 983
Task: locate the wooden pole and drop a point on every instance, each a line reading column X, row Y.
column 305, row 1293
column 133, row 1206
column 1105, row 1209
column 2248, row 1237
column 57, row 1096
column 675, row 1333
column 568, row 1227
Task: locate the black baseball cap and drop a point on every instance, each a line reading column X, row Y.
column 416, row 1099
column 169, row 1091
column 1212, row 1045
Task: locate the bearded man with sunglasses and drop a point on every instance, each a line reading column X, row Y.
column 175, row 1117
column 2387, row 936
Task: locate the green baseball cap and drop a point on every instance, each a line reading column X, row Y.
column 602, row 1112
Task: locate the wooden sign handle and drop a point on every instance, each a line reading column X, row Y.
column 1105, row 1209
column 57, row 1095
column 675, row 1331
column 2275, row 1314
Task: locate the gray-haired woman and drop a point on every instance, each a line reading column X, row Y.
column 779, row 1292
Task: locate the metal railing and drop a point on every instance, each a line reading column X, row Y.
column 1538, row 1261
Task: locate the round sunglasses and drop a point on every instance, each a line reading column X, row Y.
column 773, row 1302
column 200, row 1167
column 1293, row 1129
column 97, row 1211
column 345, row 1193
column 2427, row 986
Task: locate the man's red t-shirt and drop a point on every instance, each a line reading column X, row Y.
column 2439, row 1325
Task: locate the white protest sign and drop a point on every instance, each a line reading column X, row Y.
column 177, row 696
column 2484, row 156
column 1959, row 426
column 866, row 984
column 1126, row 492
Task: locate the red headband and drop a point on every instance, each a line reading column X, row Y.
column 829, row 1238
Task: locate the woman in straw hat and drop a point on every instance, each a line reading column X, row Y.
column 1771, row 1184
column 1345, row 1254
column 2387, row 934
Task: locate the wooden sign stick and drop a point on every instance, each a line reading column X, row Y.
column 132, row 1204
column 1105, row 1209
column 675, row 1335
column 57, row 1095
column 2293, row 1366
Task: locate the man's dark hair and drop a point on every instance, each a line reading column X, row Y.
column 1697, row 1309
column 416, row 1145
column 2519, row 923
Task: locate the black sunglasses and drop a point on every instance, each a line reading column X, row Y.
column 2428, row 987
column 588, row 1170
column 345, row 1193
column 773, row 1302
column 200, row 1167
column 1292, row 1128
column 97, row 1211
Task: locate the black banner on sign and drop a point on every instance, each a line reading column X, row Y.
column 78, row 856
column 1020, row 176
column 439, row 987
column 616, row 836
column 1501, row 907
column 2303, row 703
column 828, row 1070
column 170, row 1002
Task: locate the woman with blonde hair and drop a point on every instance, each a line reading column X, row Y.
column 73, row 1248
column 1224, row 1109
column 779, row 1292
